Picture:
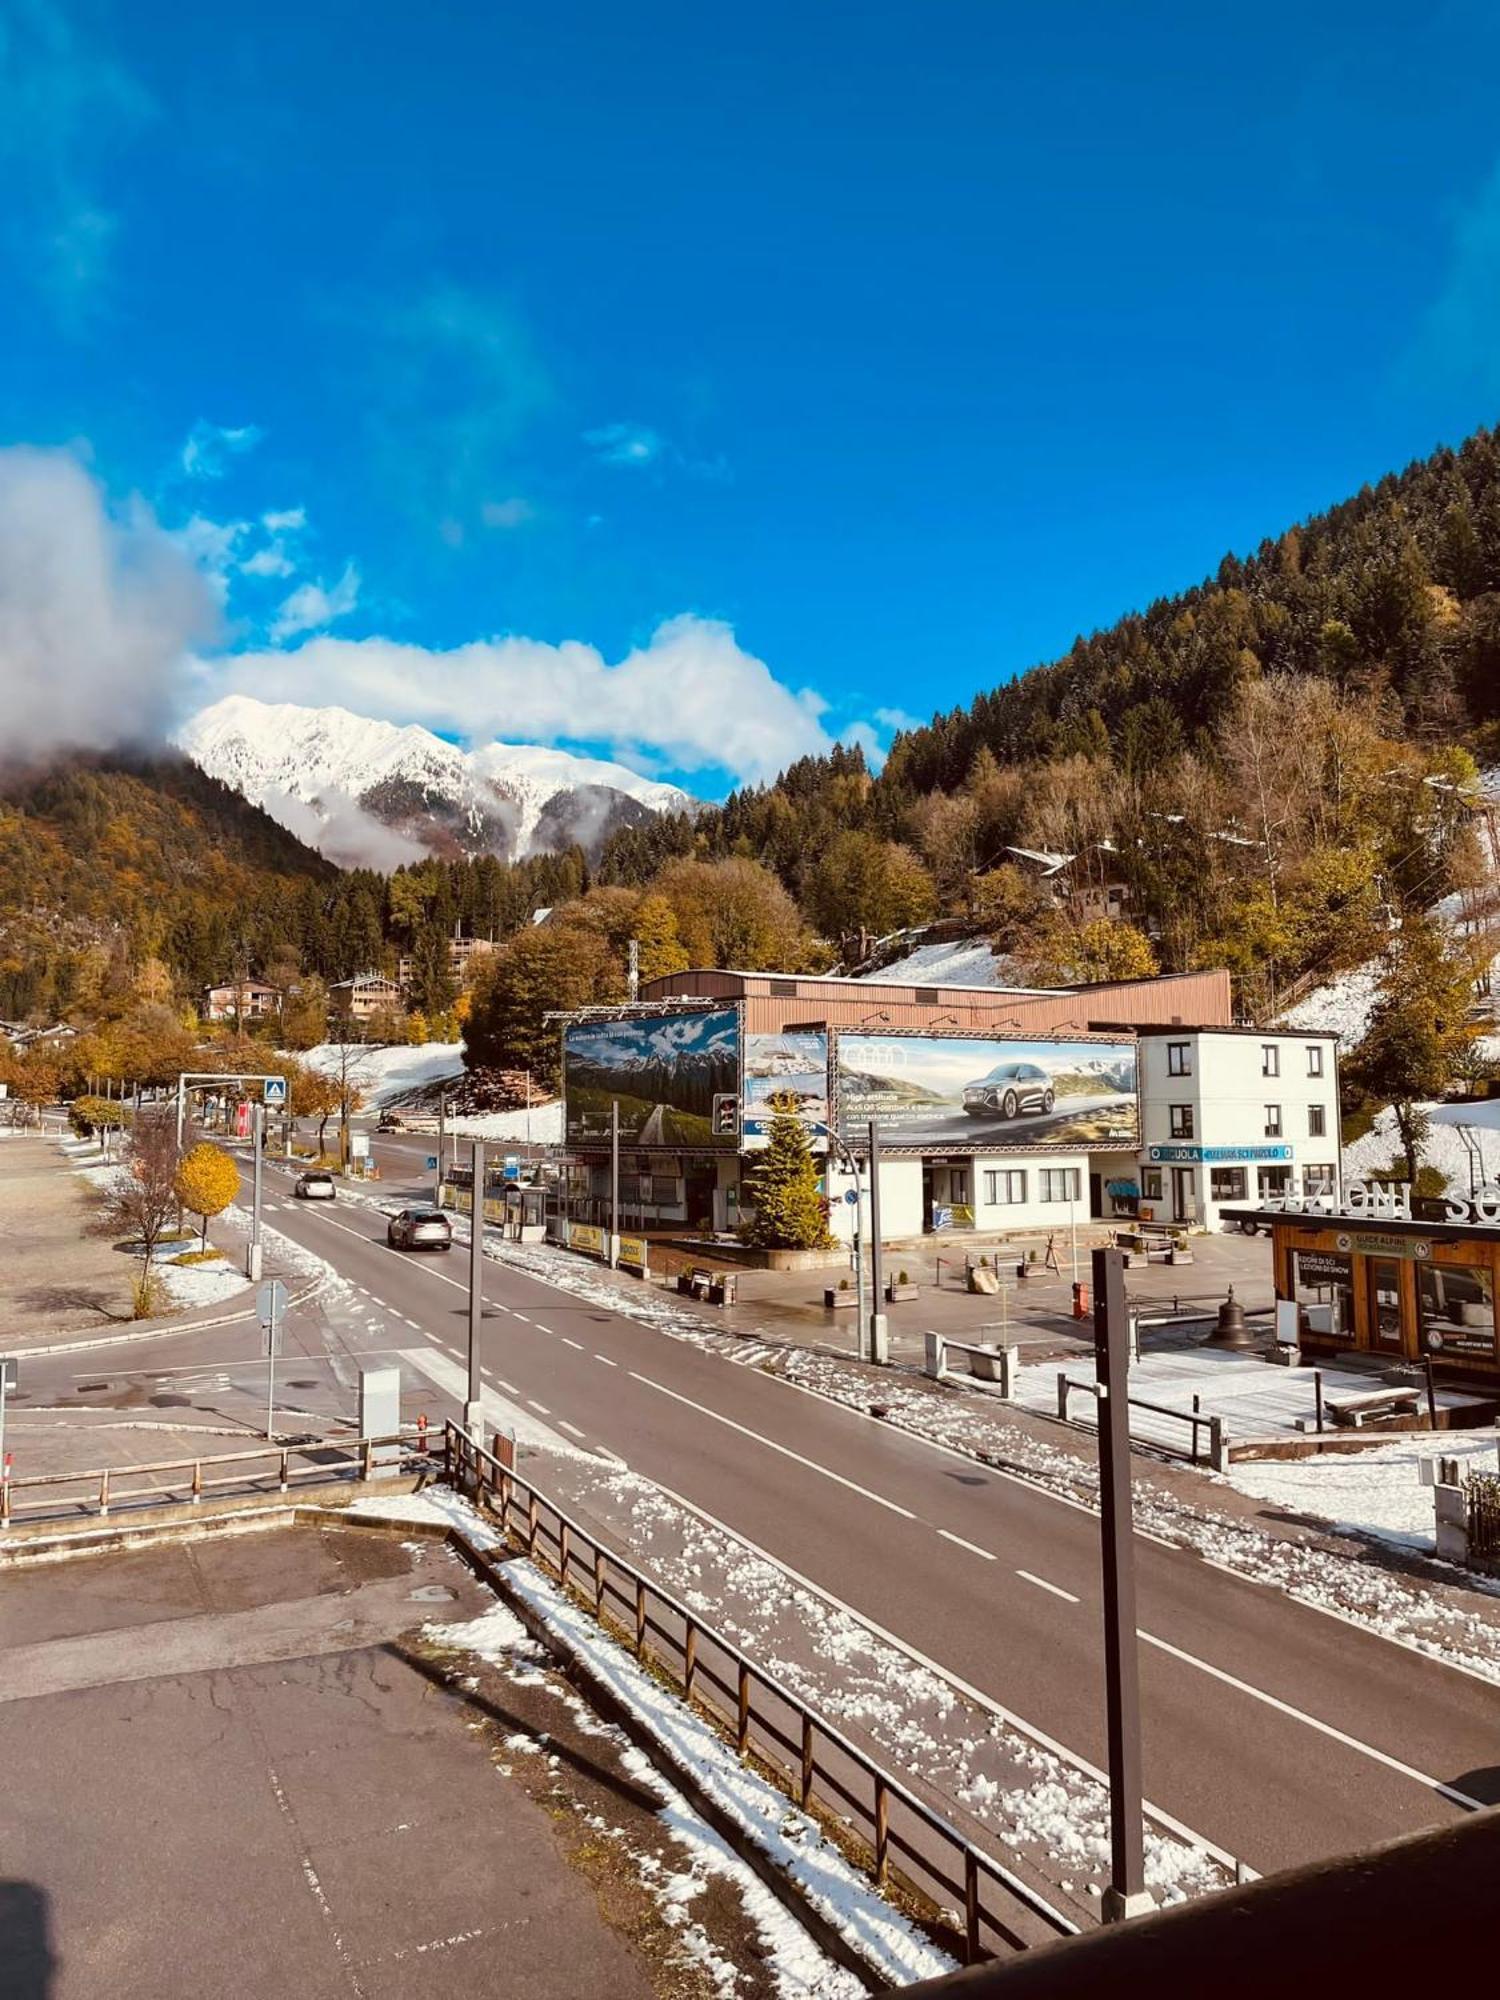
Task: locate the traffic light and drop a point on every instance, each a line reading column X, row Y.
column 726, row 1117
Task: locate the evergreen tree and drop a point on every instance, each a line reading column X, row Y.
column 783, row 1186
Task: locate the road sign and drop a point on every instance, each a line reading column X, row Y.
column 432, row 1163
column 10, row 1372
column 510, row 1169
column 359, row 1145
column 851, row 1196
column 275, row 1091
column 271, row 1301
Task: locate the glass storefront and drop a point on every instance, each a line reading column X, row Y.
column 1323, row 1285
column 1383, row 1278
column 1457, row 1308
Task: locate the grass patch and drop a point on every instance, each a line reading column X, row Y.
column 199, row 1257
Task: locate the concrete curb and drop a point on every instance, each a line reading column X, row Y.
column 162, row 1329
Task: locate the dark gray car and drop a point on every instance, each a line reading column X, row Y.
column 1009, row 1089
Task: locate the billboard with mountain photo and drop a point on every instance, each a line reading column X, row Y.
column 663, row 1070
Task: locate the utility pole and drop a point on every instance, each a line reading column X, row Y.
column 257, row 1166
column 859, row 1254
column 437, row 1185
column 1127, row 1894
column 879, row 1341
column 614, row 1182
column 474, row 1407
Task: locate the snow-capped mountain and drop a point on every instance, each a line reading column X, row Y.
column 373, row 794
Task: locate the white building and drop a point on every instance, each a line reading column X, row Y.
column 1234, row 1115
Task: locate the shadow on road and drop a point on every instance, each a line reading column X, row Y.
column 26, row 1961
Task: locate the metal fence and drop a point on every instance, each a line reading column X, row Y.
column 1206, row 1443
column 264, row 1468
column 907, row 1842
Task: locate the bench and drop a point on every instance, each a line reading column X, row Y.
column 1353, row 1412
column 716, row 1288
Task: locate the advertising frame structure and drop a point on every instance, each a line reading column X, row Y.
column 787, row 1061
column 972, row 1094
column 666, row 1070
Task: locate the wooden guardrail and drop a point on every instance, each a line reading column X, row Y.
column 265, row 1468
column 815, row 1762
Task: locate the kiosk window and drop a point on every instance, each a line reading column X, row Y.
column 1323, row 1285
column 1457, row 1308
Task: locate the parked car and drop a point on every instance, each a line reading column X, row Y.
column 419, row 1229
column 1009, row 1089
column 388, row 1121
column 315, row 1187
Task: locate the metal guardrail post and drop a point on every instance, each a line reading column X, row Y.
column 640, row 1616
column 689, row 1657
column 1195, row 1427
column 286, row 1466
column 533, row 1523
column 971, row 1907
column 1216, row 1444
column 882, row 1832
column 599, row 1583
column 805, row 1793
column 742, row 1732
column 197, row 1478
column 563, row 1552
column 104, row 1491
column 1062, row 1394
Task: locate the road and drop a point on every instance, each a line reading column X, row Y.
column 1274, row 1731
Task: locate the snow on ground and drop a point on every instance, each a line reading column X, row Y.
column 190, row 1286
column 438, row 1505
column 799, row 1968
column 961, row 962
column 382, row 1074
column 542, row 1125
column 1373, row 1492
column 883, row 1937
column 1443, row 1148
column 1342, row 1007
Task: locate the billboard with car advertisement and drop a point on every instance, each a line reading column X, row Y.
column 793, row 1063
column 954, row 1092
column 663, row 1070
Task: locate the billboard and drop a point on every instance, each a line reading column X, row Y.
column 955, row 1092
column 664, row 1072
column 794, row 1062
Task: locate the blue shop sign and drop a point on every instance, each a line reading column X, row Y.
column 1215, row 1156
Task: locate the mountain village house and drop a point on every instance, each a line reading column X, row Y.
column 241, row 1000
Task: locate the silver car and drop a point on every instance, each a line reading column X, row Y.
column 1009, row 1089
column 419, row 1229
column 315, row 1187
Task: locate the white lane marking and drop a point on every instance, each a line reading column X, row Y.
column 515, row 1315
column 572, row 1429
column 1042, row 1584
column 509, row 1387
column 540, row 1328
column 540, row 1408
column 1312, row 1722
column 771, row 1445
column 409, row 1322
column 576, row 1344
column 967, row 1688
column 973, row 1547
column 606, row 1360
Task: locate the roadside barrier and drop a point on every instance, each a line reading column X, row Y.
column 909, row 1844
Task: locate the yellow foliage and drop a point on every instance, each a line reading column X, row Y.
column 207, row 1180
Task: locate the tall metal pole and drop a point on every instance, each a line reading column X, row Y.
column 614, row 1182
column 257, row 1135
column 273, row 1337
column 879, row 1343
column 1073, row 1221
column 474, row 1407
column 1127, row 1895
column 859, row 1257
column 437, row 1184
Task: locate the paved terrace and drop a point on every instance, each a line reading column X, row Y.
column 235, row 1766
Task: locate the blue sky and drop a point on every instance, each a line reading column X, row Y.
column 806, row 367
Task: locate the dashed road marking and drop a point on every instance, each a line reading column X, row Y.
column 571, row 1429
column 1042, row 1584
column 959, row 1542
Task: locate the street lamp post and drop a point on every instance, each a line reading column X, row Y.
column 614, row 1183
column 1127, row 1894
column 879, row 1328
column 474, row 1406
column 257, row 1166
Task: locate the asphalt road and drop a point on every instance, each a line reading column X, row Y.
column 1273, row 1731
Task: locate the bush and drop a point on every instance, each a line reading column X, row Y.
column 147, row 1297
column 209, row 1256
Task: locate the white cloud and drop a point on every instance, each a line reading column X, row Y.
column 96, row 612
column 209, row 447
column 624, row 444
column 311, row 606
column 690, row 699
column 272, row 560
column 512, row 513
column 897, row 719
column 214, row 547
column 339, row 827
column 284, row 521
column 862, row 736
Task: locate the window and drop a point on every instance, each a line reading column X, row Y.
column 1274, row 1182
column 1182, row 1120
column 1273, row 1121
column 1317, row 1180
column 1005, row 1188
column 1457, row 1308
column 1317, row 1121
column 1227, row 1184
column 1179, row 1059
column 1323, row 1284
column 784, row 989
column 1151, row 1184
column 1270, row 1059
column 1060, row 1183
column 1315, row 1059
